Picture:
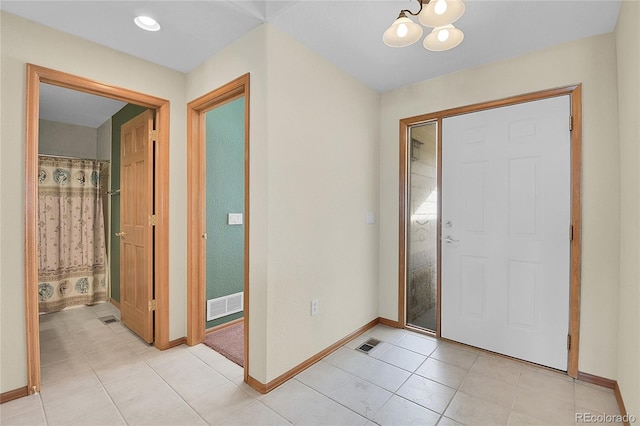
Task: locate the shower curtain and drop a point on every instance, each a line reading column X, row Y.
column 71, row 239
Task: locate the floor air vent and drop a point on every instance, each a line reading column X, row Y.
column 108, row 319
column 368, row 345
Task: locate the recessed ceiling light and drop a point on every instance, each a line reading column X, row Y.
column 147, row 23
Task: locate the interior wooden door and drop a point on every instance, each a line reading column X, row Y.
column 506, row 215
column 136, row 225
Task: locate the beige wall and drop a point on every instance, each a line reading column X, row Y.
column 591, row 62
column 104, row 141
column 67, row 140
column 628, row 55
column 322, row 181
column 25, row 42
column 313, row 154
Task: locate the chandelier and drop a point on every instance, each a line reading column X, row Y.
column 437, row 14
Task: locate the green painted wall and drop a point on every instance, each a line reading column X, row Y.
column 125, row 114
column 225, row 194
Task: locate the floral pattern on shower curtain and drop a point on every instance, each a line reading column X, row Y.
column 71, row 239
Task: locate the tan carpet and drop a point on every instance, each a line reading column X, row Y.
column 228, row 341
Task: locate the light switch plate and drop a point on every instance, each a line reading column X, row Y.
column 234, row 219
column 371, row 217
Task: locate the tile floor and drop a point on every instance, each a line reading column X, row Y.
column 97, row 374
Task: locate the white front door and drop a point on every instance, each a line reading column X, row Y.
column 506, row 230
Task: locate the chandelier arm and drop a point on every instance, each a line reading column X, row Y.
column 422, row 3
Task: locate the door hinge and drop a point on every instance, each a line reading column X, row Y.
column 152, row 220
column 568, row 342
column 153, row 135
column 570, row 123
column 570, row 232
column 152, row 305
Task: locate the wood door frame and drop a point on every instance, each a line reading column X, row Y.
column 36, row 75
column 196, row 208
column 575, row 93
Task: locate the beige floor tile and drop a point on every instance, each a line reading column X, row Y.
column 385, row 375
column 386, row 334
column 56, row 331
column 193, row 380
column 136, row 385
column 120, row 353
column 362, row 397
column 596, row 399
column 140, row 380
column 399, row 411
column 427, row 393
column 104, row 309
column 155, row 405
column 52, row 372
column 140, row 347
column 49, row 318
column 117, row 327
column 544, row 384
column 441, row 372
column 488, row 388
column 557, row 374
column 27, row 418
column 498, row 368
column 519, row 419
column 379, row 349
column 470, row 410
column 446, row 421
column 179, row 354
column 68, row 387
column 87, row 338
column 224, row 366
column 359, row 340
column 117, row 370
column 81, row 325
column 323, row 377
column 107, row 346
column 420, row 344
column 255, row 415
column 48, row 325
column 400, row 357
column 349, row 360
column 453, row 354
column 90, row 407
column 52, row 354
column 75, row 314
column 302, row 405
column 239, row 382
column 217, row 406
column 18, row 406
column 539, row 406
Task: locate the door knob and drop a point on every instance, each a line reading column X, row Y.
column 121, row 234
column 449, row 239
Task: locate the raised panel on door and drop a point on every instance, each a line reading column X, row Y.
column 506, row 200
column 136, row 236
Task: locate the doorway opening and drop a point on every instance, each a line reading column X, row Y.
column 218, row 211
column 521, row 128
column 37, row 75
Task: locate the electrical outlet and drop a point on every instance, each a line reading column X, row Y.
column 314, row 306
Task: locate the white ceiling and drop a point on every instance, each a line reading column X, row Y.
column 73, row 107
column 347, row 33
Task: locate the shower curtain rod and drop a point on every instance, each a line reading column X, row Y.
column 64, row 157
